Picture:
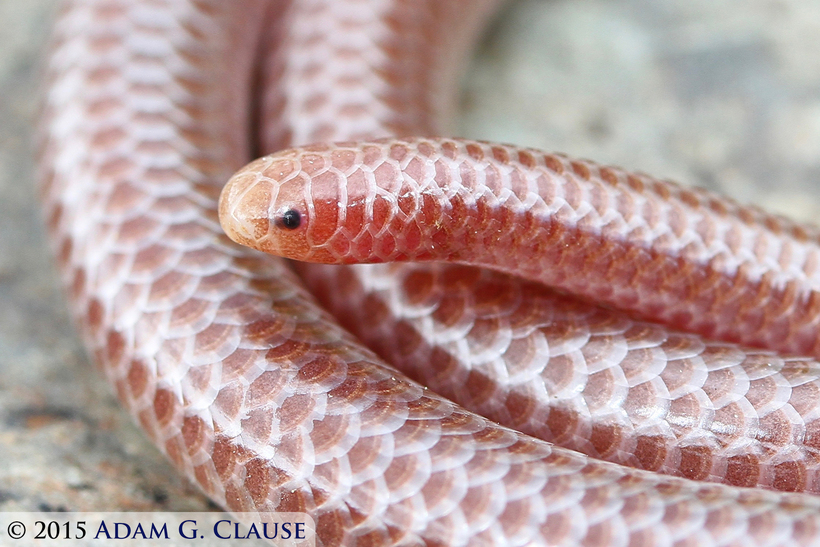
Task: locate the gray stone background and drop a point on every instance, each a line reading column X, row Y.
column 718, row 93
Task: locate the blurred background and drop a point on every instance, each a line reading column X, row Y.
column 723, row 94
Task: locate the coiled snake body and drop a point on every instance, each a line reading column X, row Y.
column 233, row 369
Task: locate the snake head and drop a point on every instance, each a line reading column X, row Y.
column 286, row 204
column 344, row 203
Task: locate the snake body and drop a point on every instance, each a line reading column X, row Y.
column 253, row 390
column 574, row 226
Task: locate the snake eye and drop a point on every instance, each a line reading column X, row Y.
column 290, row 219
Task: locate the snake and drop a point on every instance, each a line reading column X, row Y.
column 660, row 391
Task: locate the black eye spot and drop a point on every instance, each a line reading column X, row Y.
column 290, row 219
